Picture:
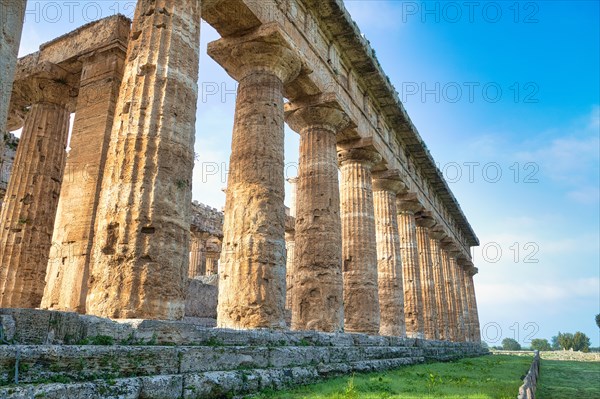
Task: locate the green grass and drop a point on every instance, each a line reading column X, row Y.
column 488, row 377
column 567, row 379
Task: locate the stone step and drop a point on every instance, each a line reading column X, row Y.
column 199, row 385
column 79, row 363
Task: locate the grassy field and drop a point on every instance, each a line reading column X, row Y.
column 568, row 379
column 488, row 377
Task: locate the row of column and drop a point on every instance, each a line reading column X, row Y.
column 362, row 259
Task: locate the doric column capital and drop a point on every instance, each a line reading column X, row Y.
column 359, row 155
column 388, row 180
column 426, row 222
column 437, row 233
column 325, row 116
column 48, row 83
column 267, row 50
column 408, row 205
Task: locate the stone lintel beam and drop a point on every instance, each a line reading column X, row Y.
column 317, row 301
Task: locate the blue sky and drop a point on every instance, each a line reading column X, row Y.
column 506, row 96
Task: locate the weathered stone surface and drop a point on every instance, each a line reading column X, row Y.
column 458, row 298
column 11, row 21
column 476, row 330
column 413, row 296
column 8, row 151
column 252, row 275
column 448, row 280
column 141, row 248
column 27, row 217
column 465, row 302
column 430, row 313
column 197, row 255
column 318, row 302
column 213, row 252
column 201, row 300
column 389, row 260
column 359, row 246
column 441, row 296
column 71, row 252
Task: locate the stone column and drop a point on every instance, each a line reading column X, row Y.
column 450, row 299
column 212, row 263
column 12, row 13
column 197, row 258
column 70, row 256
column 458, row 297
column 290, row 249
column 389, row 260
column 359, row 245
column 252, row 275
column 430, row 314
column 465, row 303
column 411, row 274
column 439, row 277
column 317, row 303
column 27, row 217
column 476, row 328
column 141, row 246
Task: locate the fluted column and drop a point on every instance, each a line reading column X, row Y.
column 389, row 260
column 252, row 274
column 476, row 328
column 465, row 303
column 29, row 210
column 458, row 298
column 411, row 271
column 448, row 279
column 212, row 263
column 70, row 256
column 11, row 21
column 141, row 246
column 317, row 303
column 359, row 245
column 197, row 258
column 439, row 277
column 430, row 313
column 290, row 248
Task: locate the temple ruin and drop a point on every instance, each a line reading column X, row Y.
column 375, row 242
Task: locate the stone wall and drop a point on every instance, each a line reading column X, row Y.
column 95, row 357
column 527, row 390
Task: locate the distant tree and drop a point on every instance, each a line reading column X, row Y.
column 581, row 342
column 554, row 343
column 509, row 344
column 565, row 340
column 540, row 344
column 598, row 320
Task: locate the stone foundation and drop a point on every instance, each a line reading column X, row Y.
column 101, row 358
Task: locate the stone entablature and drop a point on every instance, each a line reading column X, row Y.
column 206, row 219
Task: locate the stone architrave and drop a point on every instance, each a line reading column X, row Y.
column 359, row 246
column 389, row 259
column 141, row 246
column 253, row 261
column 411, row 272
column 318, row 303
column 28, row 213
